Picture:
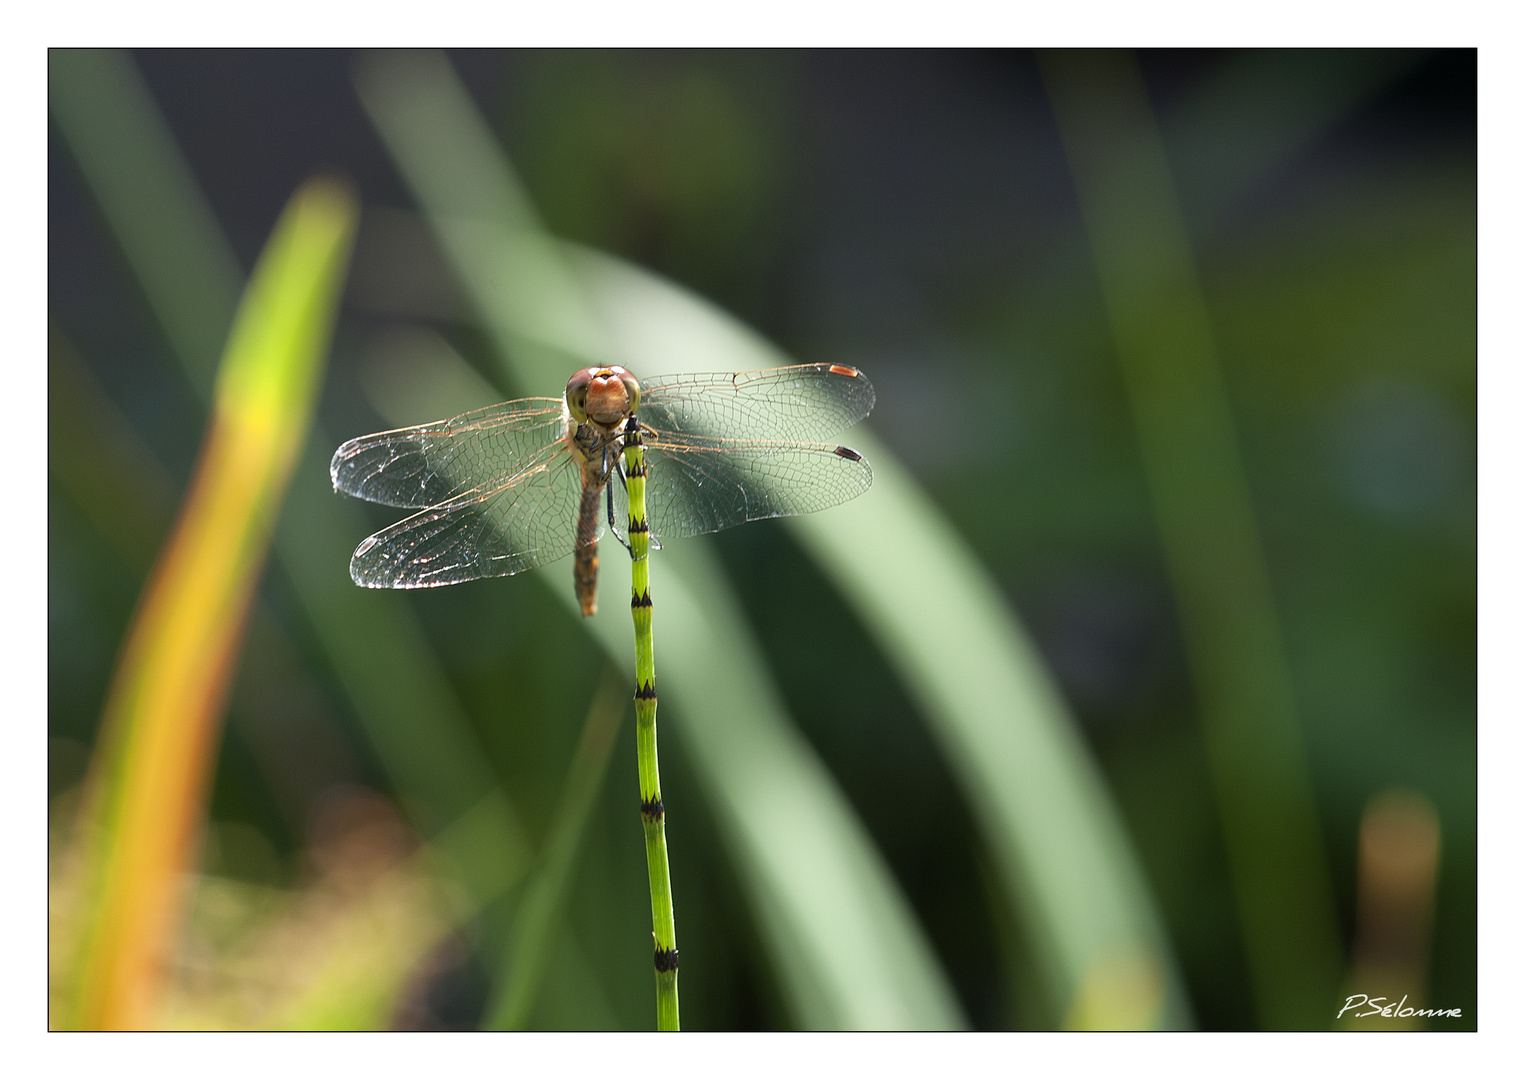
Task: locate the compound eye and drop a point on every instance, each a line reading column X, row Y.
column 577, row 394
column 632, row 387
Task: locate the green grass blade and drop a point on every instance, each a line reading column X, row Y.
column 162, row 720
column 847, row 947
column 382, row 657
column 1287, row 98
column 1164, row 341
column 146, row 191
column 1065, row 862
column 537, row 916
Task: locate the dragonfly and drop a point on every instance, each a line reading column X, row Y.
column 525, row 483
column 528, row 482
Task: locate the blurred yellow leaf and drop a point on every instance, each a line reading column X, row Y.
column 143, row 800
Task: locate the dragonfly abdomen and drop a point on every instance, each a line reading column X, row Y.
column 585, row 561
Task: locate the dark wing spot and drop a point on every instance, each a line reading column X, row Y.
column 850, row 455
column 840, row 369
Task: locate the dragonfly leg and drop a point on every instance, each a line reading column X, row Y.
column 609, row 503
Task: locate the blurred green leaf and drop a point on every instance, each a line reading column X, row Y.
column 1066, row 864
column 538, row 914
column 1262, row 108
column 1165, row 345
column 848, row 949
column 150, row 199
column 154, row 758
column 410, row 711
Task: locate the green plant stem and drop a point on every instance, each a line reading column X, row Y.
column 540, row 912
column 663, row 929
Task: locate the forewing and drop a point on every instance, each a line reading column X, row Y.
column 697, row 486
column 808, row 403
column 526, row 522
column 429, row 465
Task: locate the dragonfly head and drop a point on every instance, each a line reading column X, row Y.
column 604, row 395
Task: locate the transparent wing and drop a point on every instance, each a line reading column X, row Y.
column 808, row 403
column 499, row 493
column 697, row 485
column 527, row 520
column 429, row 465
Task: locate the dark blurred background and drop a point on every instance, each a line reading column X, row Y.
column 911, row 213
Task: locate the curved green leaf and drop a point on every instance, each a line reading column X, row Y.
column 1064, row 858
column 848, row 948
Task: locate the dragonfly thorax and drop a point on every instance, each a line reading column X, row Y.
column 604, row 395
column 595, row 446
column 520, row 484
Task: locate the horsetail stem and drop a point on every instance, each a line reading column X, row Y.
column 664, row 930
